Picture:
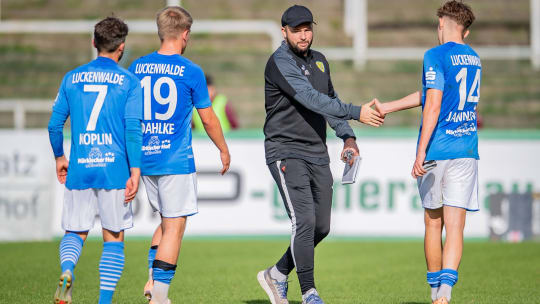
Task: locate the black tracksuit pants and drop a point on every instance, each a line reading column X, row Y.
column 306, row 190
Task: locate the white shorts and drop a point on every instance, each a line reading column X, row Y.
column 172, row 195
column 82, row 206
column 453, row 182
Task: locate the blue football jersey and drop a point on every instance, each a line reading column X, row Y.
column 456, row 70
column 98, row 96
column 172, row 85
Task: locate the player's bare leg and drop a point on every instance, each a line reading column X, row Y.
column 64, row 289
column 454, row 223
column 167, row 257
column 156, row 238
column 111, row 264
column 171, row 239
column 433, row 220
column 111, row 236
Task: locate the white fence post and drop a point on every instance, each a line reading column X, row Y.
column 349, row 16
column 360, row 42
column 174, row 3
column 19, row 108
column 19, row 117
column 535, row 34
column 93, row 50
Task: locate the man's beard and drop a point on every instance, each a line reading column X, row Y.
column 296, row 49
column 120, row 57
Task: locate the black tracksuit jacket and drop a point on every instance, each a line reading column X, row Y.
column 299, row 101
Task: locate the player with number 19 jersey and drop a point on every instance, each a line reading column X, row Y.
column 456, row 70
column 172, row 85
column 93, row 95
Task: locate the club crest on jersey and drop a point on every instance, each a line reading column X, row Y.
column 154, row 141
column 320, row 65
column 431, row 75
column 95, row 153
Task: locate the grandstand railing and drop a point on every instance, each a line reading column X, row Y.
column 355, row 24
column 19, row 108
column 266, row 27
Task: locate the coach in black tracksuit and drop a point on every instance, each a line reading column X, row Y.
column 299, row 101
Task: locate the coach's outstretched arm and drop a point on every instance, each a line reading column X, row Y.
column 430, row 118
column 288, row 76
column 213, row 129
column 408, row 102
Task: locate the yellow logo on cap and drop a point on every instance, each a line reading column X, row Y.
column 320, row 65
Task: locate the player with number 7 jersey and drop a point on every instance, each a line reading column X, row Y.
column 98, row 96
column 104, row 102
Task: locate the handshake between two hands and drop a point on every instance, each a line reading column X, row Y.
column 369, row 116
column 373, row 117
column 373, row 114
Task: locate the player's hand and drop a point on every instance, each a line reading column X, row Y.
column 369, row 116
column 418, row 167
column 350, row 145
column 225, row 161
column 132, row 184
column 61, row 169
column 381, row 108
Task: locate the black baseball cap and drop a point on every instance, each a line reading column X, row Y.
column 296, row 15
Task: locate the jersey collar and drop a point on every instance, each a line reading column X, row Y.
column 105, row 60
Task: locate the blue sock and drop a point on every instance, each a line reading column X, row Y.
column 152, row 255
column 163, row 273
column 110, row 270
column 434, row 280
column 70, row 251
column 449, row 277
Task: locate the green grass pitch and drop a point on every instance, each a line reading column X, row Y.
column 224, row 271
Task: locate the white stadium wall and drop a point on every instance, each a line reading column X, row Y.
column 383, row 202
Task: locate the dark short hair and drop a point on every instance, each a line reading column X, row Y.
column 457, row 11
column 109, row 33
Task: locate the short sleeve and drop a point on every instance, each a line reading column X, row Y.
column 199, row 89
column 433, row 71
column 61, row 105
column 134, row 101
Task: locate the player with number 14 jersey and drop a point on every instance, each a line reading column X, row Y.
column 456, row 70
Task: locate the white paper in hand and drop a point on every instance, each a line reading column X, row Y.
column 349, row 173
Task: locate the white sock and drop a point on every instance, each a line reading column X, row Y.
column 434, row 291
column 150, row 273
column 160, row 292
column 308, row 293
column 445, row 291
column 277, row 275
